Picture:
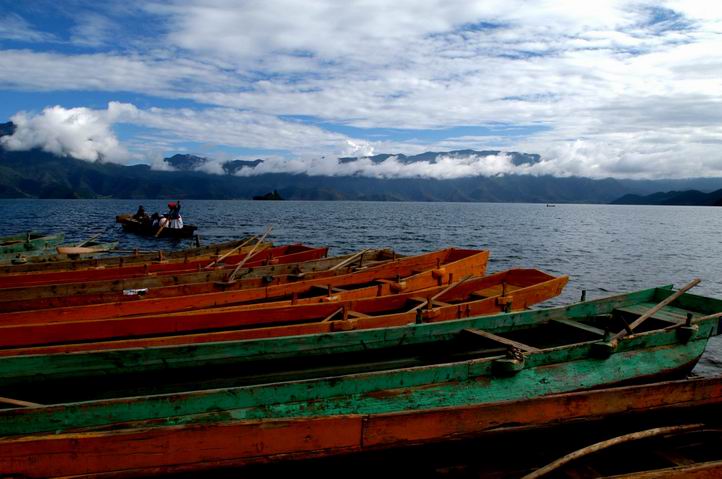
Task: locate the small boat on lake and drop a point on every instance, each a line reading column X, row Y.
column 87, row 248
column 319, row 395
column 144, row 228
column 30, row 241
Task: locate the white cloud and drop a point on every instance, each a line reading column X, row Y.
column 14, row 27
column 80, row 133
column 622, row 88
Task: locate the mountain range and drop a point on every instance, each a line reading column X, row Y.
column 38, row 174
column 680, row 198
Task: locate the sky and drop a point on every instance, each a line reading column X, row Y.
column 626, row 89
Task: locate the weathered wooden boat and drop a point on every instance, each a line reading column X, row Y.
column 158, row 286
column 409, row 273
column 455, row 392
column 61, row 263
column 552, row 350
column 132, row 225
column 29, row 242
column 287, row 253
column 687, row 439
column 515, row 289
column 89, row 247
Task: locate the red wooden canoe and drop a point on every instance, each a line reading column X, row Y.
column 515, row 289
column 290, row 253
column 145, row 450
column 411, row 273
column 163, row 286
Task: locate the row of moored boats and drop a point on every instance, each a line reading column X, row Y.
column 245, row 352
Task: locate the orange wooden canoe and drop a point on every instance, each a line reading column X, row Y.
column 165, row 285
column 410, row 273
column 299, row 252
column 515, row 289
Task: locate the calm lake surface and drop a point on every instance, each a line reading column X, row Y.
column 604, row 249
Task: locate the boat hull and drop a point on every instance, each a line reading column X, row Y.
column 150, row 451
column 146, row 229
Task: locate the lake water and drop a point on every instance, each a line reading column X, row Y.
column 604, row 249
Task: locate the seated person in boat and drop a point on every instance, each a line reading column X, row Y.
column 155, row 220
column 141, row 215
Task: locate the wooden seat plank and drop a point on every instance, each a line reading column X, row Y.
column 502, row 340
column 576, row 324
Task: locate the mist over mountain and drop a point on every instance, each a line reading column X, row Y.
column 39, row 174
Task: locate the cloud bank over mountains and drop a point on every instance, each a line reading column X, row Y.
column 627, row 89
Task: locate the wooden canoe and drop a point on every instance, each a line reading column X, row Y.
column 150, row 451
column 561, row 349
column 409, row 273
column 445, row 397
column 90, row 247
column 61, row 263
column 515, row 289
column 159, row 286
column 131, row 225
column 300, row 252
column 29, row 242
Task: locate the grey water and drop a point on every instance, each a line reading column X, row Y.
column 604, row 249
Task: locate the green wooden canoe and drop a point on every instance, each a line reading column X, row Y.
column 30, row 241
column 422, row 366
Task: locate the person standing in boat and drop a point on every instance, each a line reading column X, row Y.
column 174, row 216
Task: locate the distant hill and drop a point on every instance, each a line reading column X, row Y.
column 186, row 162
column 37, row 174
column 682, row 198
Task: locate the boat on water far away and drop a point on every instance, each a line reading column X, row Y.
column 142, row 228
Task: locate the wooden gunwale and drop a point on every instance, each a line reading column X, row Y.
column 35, row 279
column 63, row 264
column 524, row 288
column 441, row 267
column 84, row 293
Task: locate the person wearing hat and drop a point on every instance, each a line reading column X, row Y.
column 174, row 216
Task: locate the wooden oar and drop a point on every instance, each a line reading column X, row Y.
column 18, row 402
column 655, row 309
column 83, row 243
column 162, row 227
column 250, row 254
column 695, row 321
column 349, row 260
column 230, row 252
column 585, row 451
